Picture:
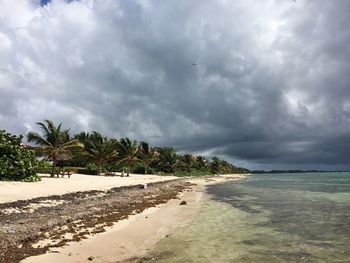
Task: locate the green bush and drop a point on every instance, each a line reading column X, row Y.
column 43, row 167
column 16, row 163
column 93, row 168
column 138, row 169
column 86, row 171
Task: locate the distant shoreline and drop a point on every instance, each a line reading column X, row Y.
column 59, row 220
column 295, row 171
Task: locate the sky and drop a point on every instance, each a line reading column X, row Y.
column 263, row 84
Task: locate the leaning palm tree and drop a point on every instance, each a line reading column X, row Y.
column 187, row 162
column 128, row 153
column 54, row 143
column 98, row 148
column 168, row 159
column 147, row 155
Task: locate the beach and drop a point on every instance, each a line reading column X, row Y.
column 14, row 191
column 119, row 223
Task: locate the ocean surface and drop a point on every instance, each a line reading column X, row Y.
column 267, row 218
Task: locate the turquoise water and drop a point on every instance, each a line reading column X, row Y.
column 267, row 218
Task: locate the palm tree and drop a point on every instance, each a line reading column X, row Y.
column 216, row 165
column 128, row 153
column 98, row 148
column 168, row 159
column 187, row 162
column 54, row 143
column 147, row 155
column 201, row 163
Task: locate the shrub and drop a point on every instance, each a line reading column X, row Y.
column 86, row 171
column 44, row 167
column 138, row 169
column 93, row 168
column 16, row 163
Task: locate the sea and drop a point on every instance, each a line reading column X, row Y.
column 291, row 217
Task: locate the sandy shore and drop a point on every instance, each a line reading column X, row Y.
column 107, row 219
column 132, row 238
column 14, row 191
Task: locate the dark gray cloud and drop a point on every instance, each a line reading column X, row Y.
column 270, row 87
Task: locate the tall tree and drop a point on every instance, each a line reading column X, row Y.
column 215, row 165
column 54, row 143
column 128, row 153
column 98, row 148
column 168, row 159
column 187, row 162
column 201, row 163
column 147, row 155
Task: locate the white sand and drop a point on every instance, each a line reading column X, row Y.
column 135, row 236
column 13, row 191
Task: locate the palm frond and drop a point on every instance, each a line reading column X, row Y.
column 37, row 139
column 44, row 129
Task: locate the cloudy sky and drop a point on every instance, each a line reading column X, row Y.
column 262, row 83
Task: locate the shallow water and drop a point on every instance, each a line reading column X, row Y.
column 267, row 218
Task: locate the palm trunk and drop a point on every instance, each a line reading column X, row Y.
column 53, row 167
column 146, row 169
column 129, row 165
column 99, row 169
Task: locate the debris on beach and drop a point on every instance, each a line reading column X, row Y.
column 57, row 220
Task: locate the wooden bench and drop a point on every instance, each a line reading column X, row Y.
column 63, row 173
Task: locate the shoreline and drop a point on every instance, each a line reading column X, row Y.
column 129, row 236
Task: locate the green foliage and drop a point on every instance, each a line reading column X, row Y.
column 93, row 169
column 128, row 153
column 148, row 156
column 138, row 169
column 99, row 149
column 94, row 153
column 16, row 163
column 187, row 162
column 54, row 143
column 43, row 167
column 32, row 178
column 201, row 163
column 84, row 170
column 168, row 160
column 218, row 166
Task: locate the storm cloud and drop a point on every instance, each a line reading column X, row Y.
column 264, row 84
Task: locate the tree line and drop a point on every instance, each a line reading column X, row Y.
column 98, row 154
